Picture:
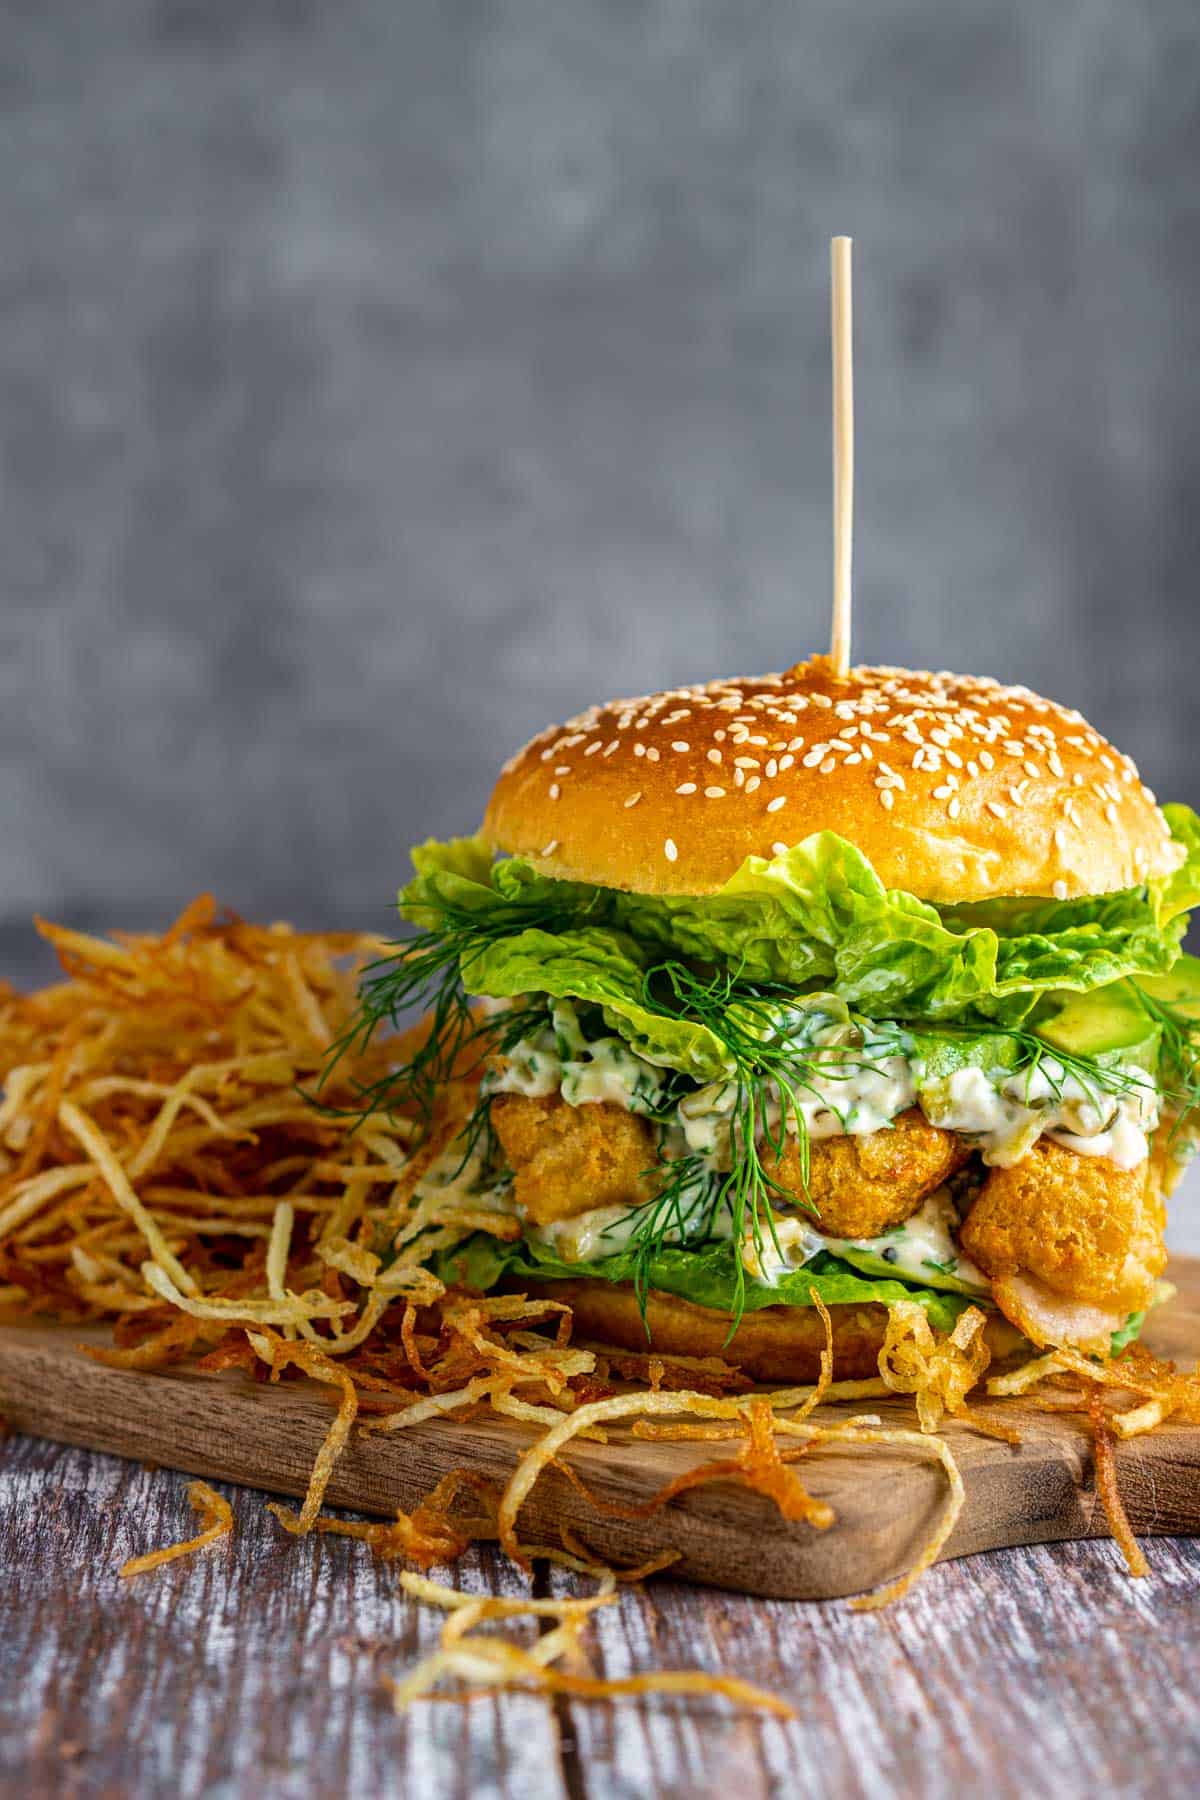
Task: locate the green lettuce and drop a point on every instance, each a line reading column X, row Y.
column 815, row 916
column 705, row 1275
column 605, row 967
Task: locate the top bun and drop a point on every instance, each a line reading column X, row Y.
column 954, row 787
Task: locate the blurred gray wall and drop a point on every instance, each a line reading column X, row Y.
column 381, row 379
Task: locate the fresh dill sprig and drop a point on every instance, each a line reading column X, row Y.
column 425, row 973
column 1179, row 1053
column 771, row 1074
column 769, row 1071
column 1056, row 1066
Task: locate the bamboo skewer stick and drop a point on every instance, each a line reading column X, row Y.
column 841, row 320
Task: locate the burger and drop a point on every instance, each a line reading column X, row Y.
column 797, row 997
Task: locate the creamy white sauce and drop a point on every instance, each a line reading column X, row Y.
column 592, row 1070
column 1005, row 1118
column 605, row 1230
column 794, row 1244
column 855, row 1089
column 923, row 1247
column 922, row 1250
column 847, row 1095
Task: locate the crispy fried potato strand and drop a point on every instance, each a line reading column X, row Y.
column 938, row 1372
column 216, row 1517
column 162, row 1165
column 1108, row 1489
column 1161, row 1393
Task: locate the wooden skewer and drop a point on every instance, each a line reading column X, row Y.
column 841, row 318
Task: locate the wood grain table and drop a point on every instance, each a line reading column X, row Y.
column 254, row 1669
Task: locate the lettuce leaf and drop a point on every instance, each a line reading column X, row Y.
column 819, row 911
column 1180, row 892
column 706, row 1276
column 816, row 915
column 605, row 967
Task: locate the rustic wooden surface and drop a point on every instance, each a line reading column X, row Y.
column 254, row 1670
column 887, row 1500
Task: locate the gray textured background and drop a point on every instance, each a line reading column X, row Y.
column 379, row 380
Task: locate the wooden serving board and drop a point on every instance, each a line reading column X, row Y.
column 886, row 1499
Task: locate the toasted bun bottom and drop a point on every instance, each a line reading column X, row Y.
column 775, row 1343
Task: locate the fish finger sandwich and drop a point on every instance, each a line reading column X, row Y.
column 851, row 989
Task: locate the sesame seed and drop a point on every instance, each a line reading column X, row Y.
column 786, row 762
column 954, row 759
column 887, row 799
column 639, row 749
column 1060, row 838
column 955, row 807
column 714, row 793
column 632, row 801
column 1032, row 770
column 687, row 787
column 680, row 744
column 1055, row 764
column 997, row 811
column 746, row 762
column 1110, row 813
column 775, row 804
column 944, row 792
column 1060, row 890
column 779, row 849
column 652, row 754
column 796, row 743
column 739, row 778
column 772, row 769
column 755, row 781
column 669, row 850
column 828, row 765
column 610, row 747
column 555, row 790
column 550, row 848
column 986, row 759
column 814, row 756
column 714, row 756
column 973, row 769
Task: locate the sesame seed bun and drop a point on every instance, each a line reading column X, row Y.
column 776, row 1343
column 954, row 787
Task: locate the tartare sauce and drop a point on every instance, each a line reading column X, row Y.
column 861, row 1080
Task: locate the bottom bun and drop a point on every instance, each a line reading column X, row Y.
column 774, row 1343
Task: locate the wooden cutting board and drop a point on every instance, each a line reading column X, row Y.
column 886, row 1500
